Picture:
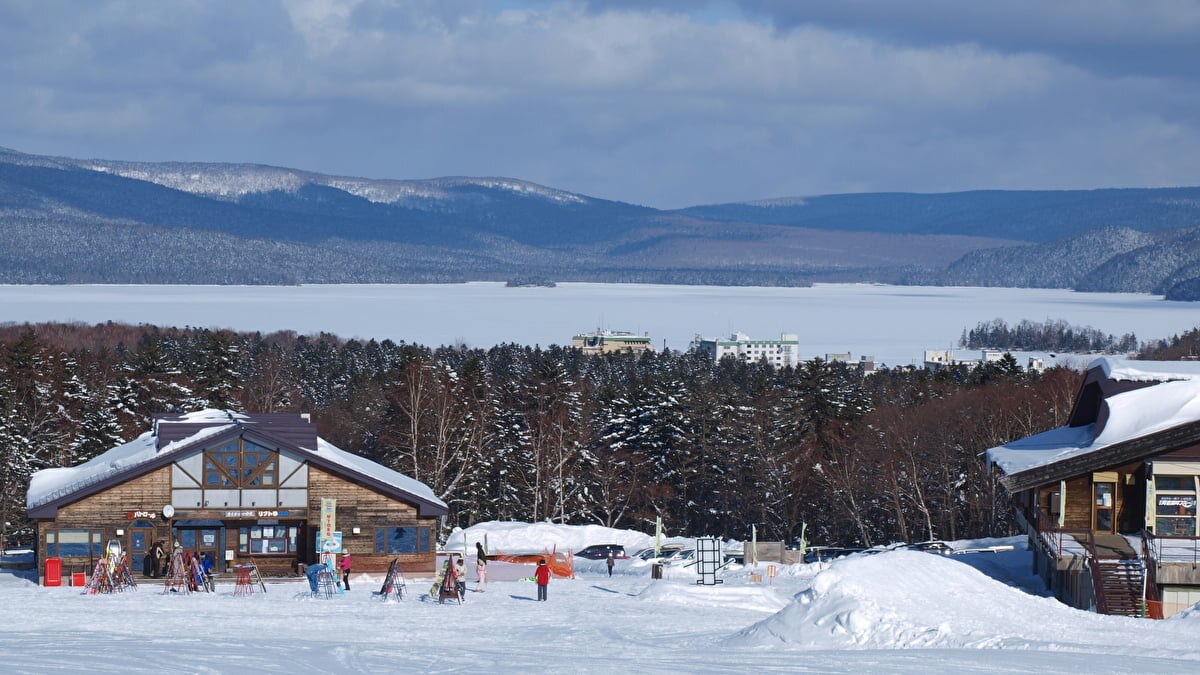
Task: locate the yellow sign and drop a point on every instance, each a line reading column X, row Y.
column 328, row 517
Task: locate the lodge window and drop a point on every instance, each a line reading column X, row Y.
column 267, row 540
column 402, row 540
column 1175, row 506
column 74, row 543
column 240, row 463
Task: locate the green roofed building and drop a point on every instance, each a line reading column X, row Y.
column 607, row 342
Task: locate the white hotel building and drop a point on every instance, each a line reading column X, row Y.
column 782, row 352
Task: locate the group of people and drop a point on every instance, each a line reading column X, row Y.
column 344, row 566
column 454, row 575
column 155, row 562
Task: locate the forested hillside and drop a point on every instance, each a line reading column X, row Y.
column 67, row 220
column 523, row 433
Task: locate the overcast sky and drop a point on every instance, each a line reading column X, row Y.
column 665, row 103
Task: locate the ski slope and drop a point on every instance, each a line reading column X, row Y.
column 894, row 612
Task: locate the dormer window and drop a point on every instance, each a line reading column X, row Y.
column 240, row 463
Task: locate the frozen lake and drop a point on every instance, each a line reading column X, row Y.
column 893, row 323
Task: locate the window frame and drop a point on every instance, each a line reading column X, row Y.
column 94, row 543
column 421, row 540
column 241, row 475
column 1161, row 519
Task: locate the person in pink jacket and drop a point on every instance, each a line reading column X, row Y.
column 344, row 566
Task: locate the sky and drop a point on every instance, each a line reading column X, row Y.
column 666, row 103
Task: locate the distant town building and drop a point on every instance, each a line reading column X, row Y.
column 936, row 359
column 608, row 341
column 782, row 352
column 839, row 357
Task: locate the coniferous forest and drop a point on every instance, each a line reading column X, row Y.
column 526, row 433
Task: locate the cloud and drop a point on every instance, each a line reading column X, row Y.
column 658, row 104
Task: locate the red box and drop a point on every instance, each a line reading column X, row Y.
column 53, row 572
column 79, row 579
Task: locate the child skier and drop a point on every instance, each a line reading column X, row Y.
column 542, row 576
column 344, row 566
column 610, row 563
column 461, row 579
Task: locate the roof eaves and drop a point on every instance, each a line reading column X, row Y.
column 1142, row 447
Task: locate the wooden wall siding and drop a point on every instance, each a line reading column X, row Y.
column 1079, row 504
column 366, row 509
column 149, row 492
column 1192, row 452
column 106, row 511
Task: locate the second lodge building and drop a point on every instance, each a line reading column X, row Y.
column 236, row 486
column 1109, row 501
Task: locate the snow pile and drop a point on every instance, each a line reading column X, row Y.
column 757, row 598
column 515, row 537
column 908, row 599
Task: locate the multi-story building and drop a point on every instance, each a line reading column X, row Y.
column 608, row 341
column 936, row 359
column 784, row 351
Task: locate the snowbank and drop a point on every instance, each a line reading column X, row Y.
column 756, row 598
column 908, row 599
column 515, row 537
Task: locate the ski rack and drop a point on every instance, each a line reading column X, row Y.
column 393, row 582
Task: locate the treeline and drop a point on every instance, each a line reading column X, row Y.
column 1045, row 336
column 522, row 433
column 1185, row 347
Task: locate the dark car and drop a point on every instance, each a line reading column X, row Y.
column 932, row 547
column 823, row 553
column 601, row 551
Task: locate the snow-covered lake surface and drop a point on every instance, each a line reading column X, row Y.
column 899, row 612
column 895, row 324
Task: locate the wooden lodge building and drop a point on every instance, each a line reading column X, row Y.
column 236, row 486
column 1109, row 500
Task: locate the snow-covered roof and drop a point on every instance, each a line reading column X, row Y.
column 366, row 467
column 48, row 485
column 1146, row 371
column 1132, row 414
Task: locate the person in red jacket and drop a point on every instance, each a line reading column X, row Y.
column 344, row 566
column 542, row 575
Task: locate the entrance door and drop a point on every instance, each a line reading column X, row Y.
column 1104, row 507
column 204, row 540
column 140, row 541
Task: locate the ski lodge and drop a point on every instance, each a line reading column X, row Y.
column 1109, row 500
column 237, row 486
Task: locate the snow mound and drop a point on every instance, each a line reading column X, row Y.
column 758, row 598
column 515, row 537
column 909, row 599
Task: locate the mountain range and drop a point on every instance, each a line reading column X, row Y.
column 99, row 221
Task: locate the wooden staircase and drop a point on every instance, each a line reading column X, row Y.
column 1119, row 585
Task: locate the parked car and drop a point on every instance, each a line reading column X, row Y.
column 681, row 557
column 932, row 547
column 666, row 551
column 601, row 551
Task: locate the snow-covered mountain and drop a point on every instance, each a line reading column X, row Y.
column 95, row 220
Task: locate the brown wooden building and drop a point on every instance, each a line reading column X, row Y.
column 1109, row 501
column 236, row 486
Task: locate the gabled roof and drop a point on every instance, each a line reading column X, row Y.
column 50, row 489
column 1162, row 415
